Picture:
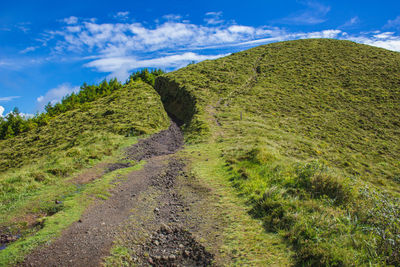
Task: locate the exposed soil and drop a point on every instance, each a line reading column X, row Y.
column 163, row 143
column 174, row 246
column 90, row 175
column 7, row 238
column 170, row 243
column 115, row 166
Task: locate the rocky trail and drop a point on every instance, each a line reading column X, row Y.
column 145, row 213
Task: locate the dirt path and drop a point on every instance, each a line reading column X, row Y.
column 88, row 241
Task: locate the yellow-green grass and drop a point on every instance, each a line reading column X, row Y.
column 244, row 241
column 75, row 140
column 310, row 130
column 41, row 168
column 73, row 203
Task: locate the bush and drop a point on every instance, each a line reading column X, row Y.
column 335, row 187
column 315, row 178
column 382, row 213
column 261, row 155
column 275, row 211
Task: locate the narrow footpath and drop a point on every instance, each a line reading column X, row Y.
column 144, row 211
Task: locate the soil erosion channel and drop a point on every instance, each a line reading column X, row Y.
column 126, row 215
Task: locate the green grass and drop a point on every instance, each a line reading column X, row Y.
column 310, row 130
column 244, row 242
column 120, row 114
column 73, row 205
column 302, row 140
column 41, row 167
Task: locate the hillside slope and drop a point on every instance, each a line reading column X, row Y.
column 310, row 129
column 40, row 167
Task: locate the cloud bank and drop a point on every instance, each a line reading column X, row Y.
column 8, row 98
column 120, row 46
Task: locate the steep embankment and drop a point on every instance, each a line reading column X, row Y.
column 44, row 181
column 310, row 129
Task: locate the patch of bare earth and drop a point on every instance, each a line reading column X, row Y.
column 145, row 210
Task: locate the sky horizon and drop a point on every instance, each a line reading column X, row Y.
column 48, row 49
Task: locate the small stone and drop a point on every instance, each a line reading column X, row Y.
column 172, row 257
column 165, row 228
column 186, row 253
column 156, row 210
column 156, row 243
column 181, row 246
column 150, row 260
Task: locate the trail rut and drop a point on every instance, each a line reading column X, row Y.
column 87, row 241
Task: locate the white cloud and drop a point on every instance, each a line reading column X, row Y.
column 55, row 95
column 384, row 35
column 120, row 67
column 242, row 29
column 27, row 115
column 172, row 17
column 1, row 111
column 123, row 15
column 320, row 34
column 23, row 26
column 351, row 23
column 213, row 18
column 384, row 40
column 29, row 49
column 8, row 98
column 395, row 23
column 313, row 14
column 120, row 39
column 73, row 28
column 70, row 20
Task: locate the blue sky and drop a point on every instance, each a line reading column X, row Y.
column 49, row 48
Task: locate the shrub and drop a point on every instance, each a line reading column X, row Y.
column 261, row 155
column 335, row 187
column 382, row 213
column 317, row 180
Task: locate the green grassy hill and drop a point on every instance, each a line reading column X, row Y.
column 303, row 135
column 38, row 168
column 310, row 129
